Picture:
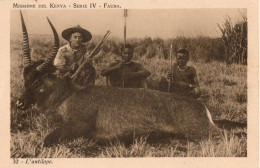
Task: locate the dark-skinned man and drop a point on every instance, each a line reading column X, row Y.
column 183, row 78
column 126, row 73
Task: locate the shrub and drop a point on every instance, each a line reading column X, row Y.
column 234, row 37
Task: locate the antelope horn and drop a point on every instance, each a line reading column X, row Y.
column 26, row 50
column 55, row 48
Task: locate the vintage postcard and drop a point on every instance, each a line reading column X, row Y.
column 123, row 83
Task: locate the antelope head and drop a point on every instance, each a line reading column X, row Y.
column 34, row 73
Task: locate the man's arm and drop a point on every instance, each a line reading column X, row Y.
column 142, row 72
column 60, row 62
column 110, row 69
column 195, row 78
column 196, row 87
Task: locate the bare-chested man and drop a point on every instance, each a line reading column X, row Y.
column 126, row 73
column 183, row 78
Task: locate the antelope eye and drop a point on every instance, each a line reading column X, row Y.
column 41, row 89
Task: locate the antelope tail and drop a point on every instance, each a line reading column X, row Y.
column 223, row 123
column 209, row 116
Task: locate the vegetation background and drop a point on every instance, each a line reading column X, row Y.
column 222, row 72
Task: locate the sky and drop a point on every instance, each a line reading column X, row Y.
column 162, row 23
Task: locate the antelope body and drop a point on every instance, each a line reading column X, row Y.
column 103, row 113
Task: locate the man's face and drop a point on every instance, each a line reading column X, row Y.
column 127, row 55
column 76, row 39
column 182, row 60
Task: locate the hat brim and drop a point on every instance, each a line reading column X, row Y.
column 87, row 36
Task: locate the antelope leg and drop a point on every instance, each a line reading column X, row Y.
column 68, row 131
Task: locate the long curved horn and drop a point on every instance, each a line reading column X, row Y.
column 26, row 50
column 55, row 48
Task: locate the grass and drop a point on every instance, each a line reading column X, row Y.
column 30, row 146
column 224, row 91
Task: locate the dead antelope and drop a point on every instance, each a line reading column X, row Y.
column 105, row 113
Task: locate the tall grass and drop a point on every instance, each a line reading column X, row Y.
column 234, row 37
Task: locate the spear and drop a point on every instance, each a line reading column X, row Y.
column 169, row 83
column 125, row 16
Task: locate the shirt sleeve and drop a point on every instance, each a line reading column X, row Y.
column 60, row 61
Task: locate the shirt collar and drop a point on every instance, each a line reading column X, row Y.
column 71, row 49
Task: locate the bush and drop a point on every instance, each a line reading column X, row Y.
column 234, row 37
column 201, row 48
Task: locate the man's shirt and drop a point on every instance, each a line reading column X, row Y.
column 66, row 57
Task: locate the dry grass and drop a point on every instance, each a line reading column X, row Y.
column 234, row 37
column 224, row 91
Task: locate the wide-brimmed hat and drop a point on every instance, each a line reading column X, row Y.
column 66, row 34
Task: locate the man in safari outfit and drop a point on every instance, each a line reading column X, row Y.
column 71, row 55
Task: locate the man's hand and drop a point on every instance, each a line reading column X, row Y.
column 75, row 66
column 128, row 75
column 185, row 84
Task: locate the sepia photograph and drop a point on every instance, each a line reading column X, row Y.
column 128, row 83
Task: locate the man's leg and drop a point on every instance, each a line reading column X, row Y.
column 196, row 92
column 193, row 93
column 108, row 81
column 89, row 75
column 143, row 83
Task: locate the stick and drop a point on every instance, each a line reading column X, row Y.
column 125, row 15
column 169, row 83
column 123, row 82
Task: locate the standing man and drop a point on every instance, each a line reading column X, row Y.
column 71, row 55
column 126, row 73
